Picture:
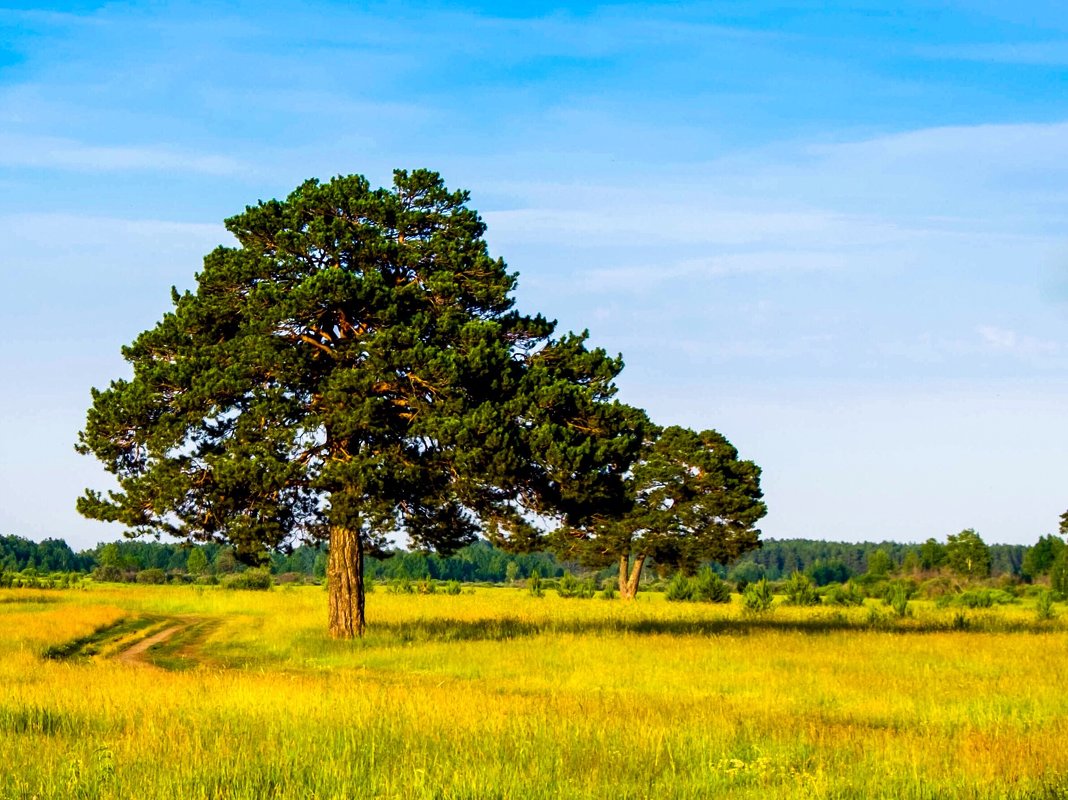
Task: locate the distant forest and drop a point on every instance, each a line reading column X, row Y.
column 480, row 562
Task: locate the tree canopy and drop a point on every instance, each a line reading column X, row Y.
column 967, row 554
column 355, row 368
column 691, row 500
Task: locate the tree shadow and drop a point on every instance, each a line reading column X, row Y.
column 446, row 629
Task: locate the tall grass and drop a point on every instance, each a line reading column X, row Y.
column 500, row 694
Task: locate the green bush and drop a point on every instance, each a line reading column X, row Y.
column 609, row 589
column 898, row 599
column 800, row 591
column 708, row 587
column 258, row 580
column 400, row 586
column 978, row 598
column 108, row 574
column 534, row 583
column 152, row 576
column 758, row 597
column 568, row 586
column 1044, row 606
column 679, row 589
column 848, row 595
column 452, row 587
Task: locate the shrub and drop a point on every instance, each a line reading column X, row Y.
column 568, row 586
column 609, row 589
column 679, row 589
column 758, row 597
column 109, row 574
column 534, row 583
column 452, row 587
column 936, row 588
column 1044, row 606
column 152, row 576
column 401, row 586
column 848, row 595
column 898, row 599
column 800, row 591
column 426, row 586
column 708, row 587
column 978, row 598
column 258, row 580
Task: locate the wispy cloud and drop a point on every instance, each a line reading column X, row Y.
column 47, row 152
column 1045, row 53
column 1009, row 342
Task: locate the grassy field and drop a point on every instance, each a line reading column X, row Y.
column 498, row 694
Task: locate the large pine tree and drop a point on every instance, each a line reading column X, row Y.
column 354, row 369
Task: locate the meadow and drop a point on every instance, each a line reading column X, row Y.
column 495, row 693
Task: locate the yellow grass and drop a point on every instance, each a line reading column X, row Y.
column 498, row 694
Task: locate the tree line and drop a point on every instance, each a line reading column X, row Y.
column 482, row 562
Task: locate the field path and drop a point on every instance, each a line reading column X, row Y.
column 135, row 654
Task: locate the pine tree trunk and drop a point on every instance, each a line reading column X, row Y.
column 344, row 576
column 628, row 584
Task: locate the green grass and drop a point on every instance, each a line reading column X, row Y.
column 500, row 694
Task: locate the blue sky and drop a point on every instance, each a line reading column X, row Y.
column 836, row 233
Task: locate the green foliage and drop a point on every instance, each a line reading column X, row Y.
column 705, row 587
column 258, row 579
column 571, row 587
column 800, row 591
column 534, row 584
column 355, row 367
column 879, row 564
column 847, row 595
column 1044, row 606
column 402, row 585
column 608, row 589
column 967, row 554
column 690, row 500
column 1058, row 573
column 568, row 585
column 898, row 599
column 453, row 588
column 932, row 554
column 823, row 572
column 758, row 597
column 197, row 563
column 1039, row 559
column 978, row 598
column 51, row 555
column 511, row 572
column 154, row 575
column 708, row 587
column 745, row 572
column 108, row 574
column 678, row 589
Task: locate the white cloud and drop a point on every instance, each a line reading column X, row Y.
column 1001, row 340
column 46, row 152
column 1049, row 53
column 52, row 236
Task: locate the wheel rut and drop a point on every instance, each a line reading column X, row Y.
column 137, row 653
column 171, row 643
